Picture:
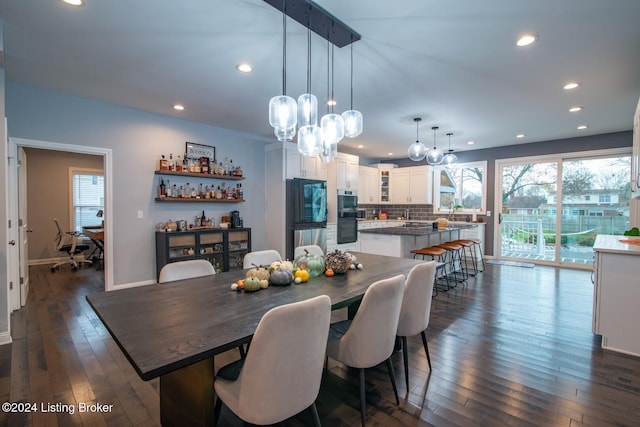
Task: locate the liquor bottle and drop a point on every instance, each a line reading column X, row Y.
column 168, row 190
column 203, row 220
column 200, row 193
column 164, row 164
column 174, row 191
column 162, row 192
column 240, row 193
column 178, row 164
column 172, row 164
column 185, row 163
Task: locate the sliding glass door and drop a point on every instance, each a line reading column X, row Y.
column 541, row 221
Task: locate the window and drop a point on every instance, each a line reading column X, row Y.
column 604, row 198
column 462, row 186
column 87, row 197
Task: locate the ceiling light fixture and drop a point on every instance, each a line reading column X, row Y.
column 309, row 137
column 571, row 85
column 450, row 160
column 526, row 40
column 417, row 150
column 178, row 107
column 244, row 67
column 520, row 135
column 74, row 2
column 582, row 127
column 435, row 156
column 470, row 142
column 331, row 124
column 283, row 114
column 352, row 118
column 575, row 109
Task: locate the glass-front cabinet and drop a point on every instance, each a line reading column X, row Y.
column 224, row 249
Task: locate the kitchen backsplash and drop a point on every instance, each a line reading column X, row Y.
column 416, row 212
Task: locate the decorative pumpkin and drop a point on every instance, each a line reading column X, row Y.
column 338, row 261
column 252, row 284
column 264, row 283
column 303, row 275
column 314, row 263
column 281, row 277
column 329, row 272
column 259, row 272
column 279, row 265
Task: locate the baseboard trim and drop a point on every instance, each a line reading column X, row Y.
column 5, row 338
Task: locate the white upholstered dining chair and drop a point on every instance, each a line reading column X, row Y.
column 312, row 249
column 259, row 258
column 280, row 376
column 369, row 338
column 416, row 309
column 185, row 270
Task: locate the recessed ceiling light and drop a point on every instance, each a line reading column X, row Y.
column 471, row 142
column 575, row 109
column 571, row 85
column 389, row 154
column 520, row 135
column 582, row 127
column 178, row 107
column 526, row 40
column 360, row 146
column 332, row 102
column 244, row 67
column 74, row 2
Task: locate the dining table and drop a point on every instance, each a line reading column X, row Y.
column 173, row 330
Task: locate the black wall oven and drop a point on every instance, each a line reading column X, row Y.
column 347, row 216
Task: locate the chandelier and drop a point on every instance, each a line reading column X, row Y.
column 285, row 114
column 418, row 150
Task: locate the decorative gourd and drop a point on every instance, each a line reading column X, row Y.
column 259, row 272
column 279, row 265
column 264, row 283
column 338, row 261
column 252, row 284
column 303, row 275
column 314, row 263
column 281, row 277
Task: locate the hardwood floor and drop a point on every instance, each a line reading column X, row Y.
column 512, row 347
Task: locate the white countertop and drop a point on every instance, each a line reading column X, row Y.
column 612, row 244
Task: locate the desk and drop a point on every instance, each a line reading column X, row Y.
column 96, row 234
column 173, row 330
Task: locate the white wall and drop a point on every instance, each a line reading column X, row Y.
column 137, row 139
column 4, row 280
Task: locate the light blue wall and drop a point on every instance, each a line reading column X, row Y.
column 137, row 139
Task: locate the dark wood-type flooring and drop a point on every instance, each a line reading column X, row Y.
column 512, row 347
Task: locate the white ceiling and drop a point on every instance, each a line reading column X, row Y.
column 453, row 63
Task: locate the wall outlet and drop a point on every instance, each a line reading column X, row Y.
column 488, row 213
column 140, row 214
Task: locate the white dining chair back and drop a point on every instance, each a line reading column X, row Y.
column 312, row 249
column 416, row 309
column 259, row 258
column 185, row 270
column 281, row 374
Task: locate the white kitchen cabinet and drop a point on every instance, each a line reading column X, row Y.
column 616, row 293
column 412, row 185
column 347, row 171
column 299, row 166
column 332, row 237
column 368, row 185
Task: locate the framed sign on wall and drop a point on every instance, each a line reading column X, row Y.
column 196, row 151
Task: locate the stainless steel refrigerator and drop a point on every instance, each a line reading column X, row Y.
column 306, row 222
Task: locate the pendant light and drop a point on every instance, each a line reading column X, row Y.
column 434, row 157
column 449, row 160
column 331, row 124
column 418, row 150
column 283, row 114
column 352, row 118
column 309, row 136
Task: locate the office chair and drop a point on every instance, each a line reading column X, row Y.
column 68, row 243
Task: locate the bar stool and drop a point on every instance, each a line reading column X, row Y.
column 436, row 254
column 468, row 244
column 453, row 260
column 477, row 243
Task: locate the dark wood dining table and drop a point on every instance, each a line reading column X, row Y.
column 173, row 330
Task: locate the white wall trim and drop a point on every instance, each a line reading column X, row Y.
column 5, row 338
column 107, row 154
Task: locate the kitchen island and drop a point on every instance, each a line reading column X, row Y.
column 401, row 240
column 616, row 293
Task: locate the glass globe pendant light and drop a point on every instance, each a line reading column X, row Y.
column 434, row 157
column 418, row 150
column 331, row 125
column 283, row 114
column 449, row 160
column 309, row 135
column 352, row 118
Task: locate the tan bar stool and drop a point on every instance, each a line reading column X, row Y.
column 438, row 255
column 468, row 244
column 453, row 261
column 479, row 260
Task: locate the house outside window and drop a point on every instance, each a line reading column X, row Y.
column 87, row 197
column 463, row 186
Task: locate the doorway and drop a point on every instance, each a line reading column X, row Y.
column 20, row 265
column 543, row 222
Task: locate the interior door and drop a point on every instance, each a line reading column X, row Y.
column 23, row 226
column 13, row 271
